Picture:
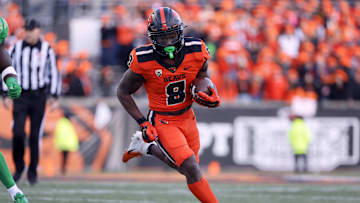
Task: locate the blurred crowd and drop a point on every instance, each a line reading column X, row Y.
column 267, row 50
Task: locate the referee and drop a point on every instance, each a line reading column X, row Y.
column 34, row 62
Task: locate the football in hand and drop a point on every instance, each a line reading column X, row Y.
column 203, row 84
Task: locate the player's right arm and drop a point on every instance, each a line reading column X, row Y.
column 129, row 84
column 5, row 60
column 8, row 73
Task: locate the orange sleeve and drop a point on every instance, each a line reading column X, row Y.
column 205, row 51
column 133, row 63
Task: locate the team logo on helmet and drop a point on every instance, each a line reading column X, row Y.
column 158, row 72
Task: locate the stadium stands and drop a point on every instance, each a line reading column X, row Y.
column 261, row 50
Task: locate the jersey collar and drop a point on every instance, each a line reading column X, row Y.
column 171, row 68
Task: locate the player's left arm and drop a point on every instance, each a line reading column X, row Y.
column 203, row 73
column 211, row 100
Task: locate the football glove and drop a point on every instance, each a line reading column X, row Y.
column 149, row 132
column 211, row 100
column 14, row 89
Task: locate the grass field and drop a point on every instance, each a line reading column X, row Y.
column 160, row 192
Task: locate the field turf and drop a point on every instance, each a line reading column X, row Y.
column 71, row 191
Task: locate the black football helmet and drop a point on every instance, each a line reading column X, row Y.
column 166, row 31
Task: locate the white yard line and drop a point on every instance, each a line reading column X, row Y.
column 89, row 200
column 105, row 192
column 277, row 189
column 292, row 197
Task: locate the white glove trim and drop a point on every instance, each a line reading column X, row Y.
column 7, row 71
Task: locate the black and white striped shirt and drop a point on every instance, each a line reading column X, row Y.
column 36, row 67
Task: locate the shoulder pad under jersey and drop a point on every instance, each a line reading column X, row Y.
column 4, row 29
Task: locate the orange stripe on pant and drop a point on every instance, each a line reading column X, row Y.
column 179, row 135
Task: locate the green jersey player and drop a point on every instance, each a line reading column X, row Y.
column 8, row 75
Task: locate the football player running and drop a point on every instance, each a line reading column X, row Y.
column 166, row 68
column 9, row 77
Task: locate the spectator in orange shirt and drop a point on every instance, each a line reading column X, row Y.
column 276, row 87
column 14, row 18
column 256, row 86
column 108, row 40
column 243, row 85
column 125, row 35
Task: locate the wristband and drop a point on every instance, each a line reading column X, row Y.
column 141, row 120
column 7, row 71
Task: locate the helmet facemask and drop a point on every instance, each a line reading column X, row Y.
column 167, row 43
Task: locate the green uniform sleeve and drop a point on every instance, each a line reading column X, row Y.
column 4, row 29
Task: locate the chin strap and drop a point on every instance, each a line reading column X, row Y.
column 170, row 51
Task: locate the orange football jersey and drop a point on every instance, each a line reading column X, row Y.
column 168, row 87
